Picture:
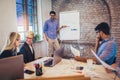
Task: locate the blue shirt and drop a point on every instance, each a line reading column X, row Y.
column 50, row 28
column 107, row 50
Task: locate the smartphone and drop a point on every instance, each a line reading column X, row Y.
column 28, row 71
column 79, row 68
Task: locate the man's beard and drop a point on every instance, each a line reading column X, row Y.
column 100, row 38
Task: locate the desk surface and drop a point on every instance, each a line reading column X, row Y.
column 68, row 67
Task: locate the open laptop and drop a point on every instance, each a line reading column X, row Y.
column 12, row 68
column 53, row 61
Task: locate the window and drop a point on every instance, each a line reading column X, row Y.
column 26, row 17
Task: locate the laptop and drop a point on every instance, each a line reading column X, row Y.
column 53, row 61
column 12, row 68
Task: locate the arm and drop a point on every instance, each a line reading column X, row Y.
column 78, row 58
column 114, row 65
column 46, row 36
column 6, row 53
column 97, row 42
column 23, row 51
column 45, row 29
column 59, row 28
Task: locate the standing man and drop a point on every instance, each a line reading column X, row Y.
column 27, row 48
column 51, row 28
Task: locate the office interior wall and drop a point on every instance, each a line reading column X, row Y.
column 44, row 7
column 92, row 12
column 7, row 19
column 8, row 22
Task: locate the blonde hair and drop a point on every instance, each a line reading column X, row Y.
column 30, row 34
column 11, row 40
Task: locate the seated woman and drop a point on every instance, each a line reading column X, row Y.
column 27, row 49
column 11, row 47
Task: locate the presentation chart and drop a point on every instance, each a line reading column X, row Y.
column 72, row 31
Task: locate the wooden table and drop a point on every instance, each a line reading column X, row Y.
column 68, row 68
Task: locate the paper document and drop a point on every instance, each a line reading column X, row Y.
column 75, row 51
column 102, row 62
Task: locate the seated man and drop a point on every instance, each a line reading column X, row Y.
column 106, row 50
column 27, row 48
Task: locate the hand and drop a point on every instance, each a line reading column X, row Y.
column 64, row 26
column 97, row 42
column 108, row 70
column 77, row 58
column 115, row 65
column 46, row 39
column 98, row 38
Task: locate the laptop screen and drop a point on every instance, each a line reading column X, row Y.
column 56, row 59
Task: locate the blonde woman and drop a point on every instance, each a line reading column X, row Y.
column 27, row 49
column 12, row 44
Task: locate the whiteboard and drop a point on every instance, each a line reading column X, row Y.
column 71, row 19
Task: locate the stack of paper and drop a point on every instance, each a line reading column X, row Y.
column 102, row 62
column 75, row 51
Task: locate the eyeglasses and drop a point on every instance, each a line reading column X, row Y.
column 97, row 31
column 52, row 14
column 29, row 38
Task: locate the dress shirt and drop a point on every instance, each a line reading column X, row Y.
column 50, row 28
column 107, row 50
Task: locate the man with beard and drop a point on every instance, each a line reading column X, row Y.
column 51, row 28
column 105, row 46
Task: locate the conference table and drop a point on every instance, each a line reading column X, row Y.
column 67, row 67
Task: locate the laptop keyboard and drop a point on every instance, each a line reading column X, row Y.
column 48, row 62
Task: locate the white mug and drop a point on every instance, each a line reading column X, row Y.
column 89, row 63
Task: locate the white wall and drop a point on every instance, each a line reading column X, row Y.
column 7, row 19
column 45, row 7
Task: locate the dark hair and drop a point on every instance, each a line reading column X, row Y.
column 104, row 27
column 52, row 12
